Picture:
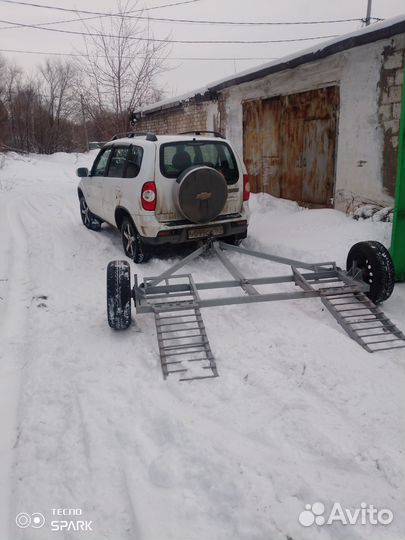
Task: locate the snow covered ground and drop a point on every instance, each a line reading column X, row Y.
column 299, row 414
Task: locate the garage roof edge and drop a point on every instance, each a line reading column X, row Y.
column 383, row 30
column 336, row 47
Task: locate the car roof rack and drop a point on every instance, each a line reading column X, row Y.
column 127, row 134
column 151, row 137
column 132, row 134
column 200, row 131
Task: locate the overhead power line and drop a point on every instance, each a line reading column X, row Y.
column 174, row 20
column 58, row 8
column 166, row 5
column 241, row 23
column 185, row 21
column 137, row 38
column 74, row 55
column 98, row 16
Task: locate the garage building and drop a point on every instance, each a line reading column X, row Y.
column 319, row 127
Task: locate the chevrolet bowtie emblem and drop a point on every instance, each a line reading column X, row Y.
column 203, row 196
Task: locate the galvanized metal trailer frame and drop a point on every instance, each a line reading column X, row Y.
column 325, row 272
column 176, row 306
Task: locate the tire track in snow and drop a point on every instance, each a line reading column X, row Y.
column 108, row 497
column 13, row 328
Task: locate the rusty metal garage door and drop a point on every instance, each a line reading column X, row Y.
column 289, row 145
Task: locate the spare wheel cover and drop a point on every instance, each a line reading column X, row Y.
column 200, row 193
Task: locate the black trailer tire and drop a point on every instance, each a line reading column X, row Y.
column 89, row 220
column 119, row 295
column 132, row 243
column 374, row 260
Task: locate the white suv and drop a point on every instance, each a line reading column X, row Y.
column 166, row 189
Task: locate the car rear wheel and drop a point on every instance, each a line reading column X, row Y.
column 377, row 268
column 233, row 240
column 89, row 220
column 132, row 243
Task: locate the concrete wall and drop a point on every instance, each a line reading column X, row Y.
column 389, row 109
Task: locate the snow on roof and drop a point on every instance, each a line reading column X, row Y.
column 374, row 32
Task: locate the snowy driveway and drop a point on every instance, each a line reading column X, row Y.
column 300, row 413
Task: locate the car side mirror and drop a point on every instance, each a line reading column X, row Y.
column 82, row 172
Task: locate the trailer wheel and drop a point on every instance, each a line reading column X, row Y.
column 375, row 262
column 118, row 295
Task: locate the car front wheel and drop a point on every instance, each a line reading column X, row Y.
column 134, row 248
column 89, row 220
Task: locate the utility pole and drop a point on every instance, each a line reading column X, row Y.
column 368, row 16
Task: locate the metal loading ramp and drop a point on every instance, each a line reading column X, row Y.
column 364, row 322
column 180, row 332
column 175, row 301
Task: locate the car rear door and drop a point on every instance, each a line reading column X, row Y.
column 122, row 187
column 112, row 182
column 139, row 168
column 128, row 168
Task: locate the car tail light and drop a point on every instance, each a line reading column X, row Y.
column 246, row 187
column 149, row 196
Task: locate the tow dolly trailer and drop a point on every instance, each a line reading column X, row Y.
column 175, row 300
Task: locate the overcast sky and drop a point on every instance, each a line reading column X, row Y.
column 185, row 75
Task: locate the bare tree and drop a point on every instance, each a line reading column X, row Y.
column 120, row 68
column 3, row 107
column 37, row 114
column 3, row 70
column 56, row 89
column 16, row 97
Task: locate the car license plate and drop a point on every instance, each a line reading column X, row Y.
column 205, row 231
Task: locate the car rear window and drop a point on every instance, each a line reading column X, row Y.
column 175, row 157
